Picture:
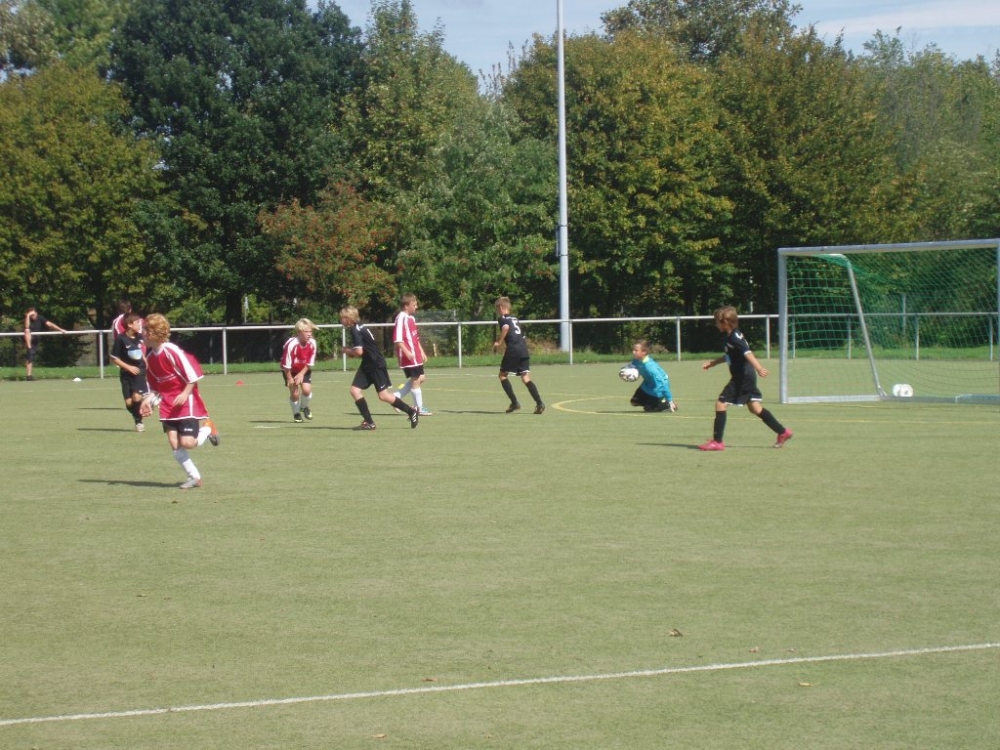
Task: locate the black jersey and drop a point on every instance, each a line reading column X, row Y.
column 362, row 337
column 130, row 350
column 515, row 338
column 737, row 349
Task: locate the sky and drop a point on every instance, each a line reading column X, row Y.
column 479, row 32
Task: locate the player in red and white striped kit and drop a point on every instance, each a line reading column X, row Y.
column 174, row 374
column 298, row 357
column 409, row 353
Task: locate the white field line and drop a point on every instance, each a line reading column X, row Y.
column 501, row 684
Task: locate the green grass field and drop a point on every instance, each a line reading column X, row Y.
column 584, row 579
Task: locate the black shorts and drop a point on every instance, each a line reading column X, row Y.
column 643, row 399
column 132, row 384
column 183, row 427
column 519, row 364
column 741, row 391
column 412, row 373
column 307, row 379
column 378, row 377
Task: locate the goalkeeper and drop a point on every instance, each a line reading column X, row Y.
column 653, row 394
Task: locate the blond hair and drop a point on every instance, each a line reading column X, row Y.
column 351, row 313
column 729, row 315
column 503, row 303
column 304, row 324
column 157, row 329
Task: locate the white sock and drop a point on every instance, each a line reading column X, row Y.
column 203, row 434
column 295, row 406
column 418, row 397
column 182, row 457
column 305, row 400
column 405, row 390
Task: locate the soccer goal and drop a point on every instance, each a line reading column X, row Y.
column 904, row 322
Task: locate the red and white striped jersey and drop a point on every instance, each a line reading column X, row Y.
column 168, row 370
column 295, row 355
column 406, row 333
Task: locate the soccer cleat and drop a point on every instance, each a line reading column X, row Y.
column 364, row 426
column 712, row 445
column 783, row 438
column 297, row 416
column 512, row 408
column 424, row 411
column 190, row 484
column 140, row 427
column 213, row 436
column 414, row 419
column 539, row 408
column 307, row 413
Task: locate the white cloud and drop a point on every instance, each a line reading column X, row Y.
column 936, row 16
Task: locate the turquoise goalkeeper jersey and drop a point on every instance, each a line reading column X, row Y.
column 655, row 380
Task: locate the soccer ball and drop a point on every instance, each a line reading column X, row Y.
column 629, row 374
column 902, row 390
column 151, row 401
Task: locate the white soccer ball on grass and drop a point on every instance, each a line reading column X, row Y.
column 902, row 390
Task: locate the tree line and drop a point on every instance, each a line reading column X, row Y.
column 264, row 160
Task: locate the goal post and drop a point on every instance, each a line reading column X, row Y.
column 907, row 322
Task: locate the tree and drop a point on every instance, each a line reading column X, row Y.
column 332, row 248
column 483, row 227
column 703, row 30
column 947, row 116
column 242, row 99
column 411, row 95
column 27, row 35
column 811, row 158
column 643, row 152
column 71, row 184
column 443, row 161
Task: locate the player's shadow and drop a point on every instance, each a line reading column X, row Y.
column 131, row 483
column 673, row 445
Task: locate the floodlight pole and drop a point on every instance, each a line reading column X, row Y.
column 562, row 244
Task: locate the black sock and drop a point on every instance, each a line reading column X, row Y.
column 771, row 422
column 719, row 428
column 533, row 391
column 133, row 409
column 363, row 408
column 509, row 390
column 403, row 406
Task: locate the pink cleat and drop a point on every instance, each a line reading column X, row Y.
column 783, row 438
column 712, row 445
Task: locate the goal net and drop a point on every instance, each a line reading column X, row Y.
column 900, row 322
